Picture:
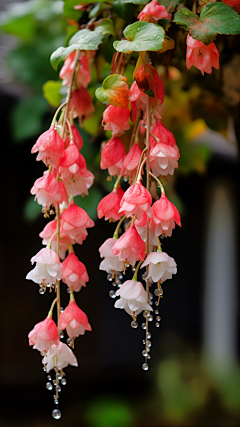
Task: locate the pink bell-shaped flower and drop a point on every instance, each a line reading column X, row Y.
column 202, row 56
column 50, row 147
column 133, row 298
column 111, row 262
column 164, row 159
column 74, row 224
column 153, row 11
column 161, row 266
column 74, row 272
column 162, row 134
column 81, row 104
column 44, row 335
column 129, row 247
column 109, row 206
column 46, row 235
column 165, row 215
column 47, row 269
column 59, row 356
column 135, row 201
column 74, row 320
column 116, row 119
column 77, row 139
column 73, row 170
column 84, row 73
column 141, row 227
column 48, row 190
column 138, row 98
column 112, row 156
column 131, row 161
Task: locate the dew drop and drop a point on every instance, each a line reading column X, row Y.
column 145, row 366
column 134, row 324
column 49, row 386
column 112, row 294
column 56, row 414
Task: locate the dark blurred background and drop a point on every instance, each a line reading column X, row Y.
column 194, row 376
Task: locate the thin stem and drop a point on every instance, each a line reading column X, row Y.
column 148, row 188
column 136, row 271
column 70, row 130
column 159, row 183
column 140, row 170
column 58, row 247
column 117, row 183
column 194, row 7
column 52, row 307
column 72, row 294
column 159, row 249
column 56, row 113
column 70, row 194
column 135, row 128
column 50, row 241
column 115, row 236
column 139, row 164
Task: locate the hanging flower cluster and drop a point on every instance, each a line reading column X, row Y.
column 149, row 159
column 66, row 176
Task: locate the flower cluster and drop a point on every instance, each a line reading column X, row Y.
column 153, row 153
column 66, row 176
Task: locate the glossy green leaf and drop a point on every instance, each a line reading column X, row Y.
column 82, row 40
column 51, row 92
column 106, row 26
column 114, row 91
column 215, row 18
column 141, row 36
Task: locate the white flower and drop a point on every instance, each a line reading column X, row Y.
column 110, row 262
column 164, row 159
column 161, row 266
column 59, row 356
column 133, row 297
column 47, row 269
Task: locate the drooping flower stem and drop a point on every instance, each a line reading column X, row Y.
column 115, row 236
column 58, row 247
column 147, row 230
column 136, row 271
column 52, row 307
column 159, row 183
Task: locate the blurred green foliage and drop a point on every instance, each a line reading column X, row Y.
column 110, row 413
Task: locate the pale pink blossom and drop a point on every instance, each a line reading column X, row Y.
column 116, row 119
column 59, row 356
column 140, row 99
column 50, row 147
column 77, row 139
column 46, row 235
column 141, row 227
column 81, row 104
column 74, row 224
column 111, row 262
column 165, row 215
column 131, row 161
column 133, row 297
column 44, row 335
column 135, row 201
column 112, row 156
column 161, row 266
column 48, row 190
column 47, row 269
column 202, row 56
column 74, row 320
column 74, row 272
column 109, row 206
column 129, row 247
column 84, row 73
column 164, row 159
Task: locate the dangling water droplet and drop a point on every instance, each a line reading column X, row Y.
column 59, row 375
column 56, row 414
column 149, row 344
column 58, row 388
column 144, row 275
column 64, row 381
column 44, row 369
column 120, row 276
column 118, row 282
column 150, row 318
column 61, row 309
column 156, row 292
column 158, row 318
column 109, row 277
column 156, row 303
column 134, row 324
column 68, row 290
column 150, row 295
column 143, row 325
column 149, row 357
column 156, row 311
column 150, row 302
column 49, row 386
column 143, row 341
column 56, row 401
column 54, row 382
column 41, row 291
column 61, row 334
column 149, row 335
column 112, row 294
column 144, row 353
column 49, row 378
column 125, row 179
column 157, row 325
column 69, row 341
column 145, row 366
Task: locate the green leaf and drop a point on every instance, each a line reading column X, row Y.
column 125, row 11
column 23, row 26
column 31, row 209
column 27, row 117
column 51, row 92
column 106, row 26
column 215, row 18
column 114, row 91
column 141, row 36
column 82, row 40
column 70, row 12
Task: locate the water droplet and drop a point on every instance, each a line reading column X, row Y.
column 120, row 276
column 41, row 291
column 156, row 292
column 112, row 294
column 145, row 366
column 134, row 324
column 44, row 369
column 150, row 302
column 156, row 303
column 49, row 386
column 158, row 318
column 149, row 357
column 56, row 414
column 149, row 335
column 109, row 277
column 143, row 325
column 117, row 282
column 58, row 388
column 143, row 341
column 69, row 341
column 68, row 290
column 157, row 325
column 64, row 381
column 49, row 378
column 150, row 318
column 150, row 295
column 59, row 375
column 54, row 382
column 61, row 309
column 156, row 311
column 149, row 344
column 56, row 401
column 144, row 353
column 61, row 334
